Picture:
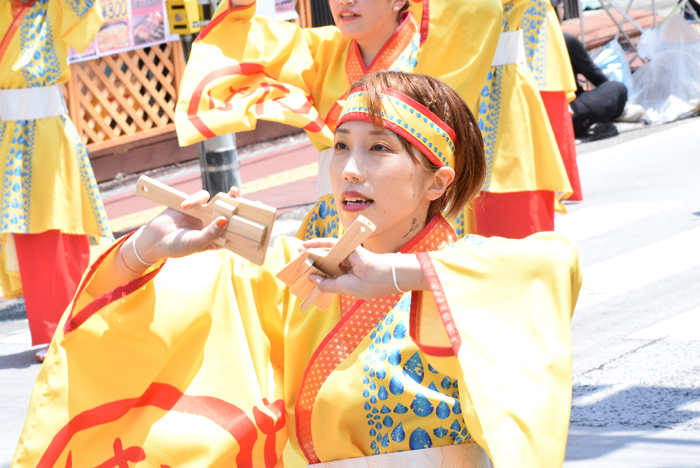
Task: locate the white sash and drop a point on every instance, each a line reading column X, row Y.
column 510, row 50
column 449, row 456
column 32, row 103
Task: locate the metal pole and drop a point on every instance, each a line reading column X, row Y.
column 218, row 161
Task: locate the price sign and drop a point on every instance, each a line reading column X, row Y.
column 115, row 33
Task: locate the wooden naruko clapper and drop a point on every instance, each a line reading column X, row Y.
column 249, row 223
column 323, row 262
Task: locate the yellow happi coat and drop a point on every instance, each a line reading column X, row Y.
column 47, row 180
column 519, row 145
column 208, row 361
column 244, row 68
column 545, row 49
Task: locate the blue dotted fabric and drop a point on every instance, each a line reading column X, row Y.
column 17, row 177
column 323, row 220
column 408, row 404
column 535, row 27
column 39, row 59
column 87, row 177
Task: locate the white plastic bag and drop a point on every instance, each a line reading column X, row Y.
column 668, row 86
column 613, row 63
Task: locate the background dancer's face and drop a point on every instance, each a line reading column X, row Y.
column 367, row 21
column 373, row 175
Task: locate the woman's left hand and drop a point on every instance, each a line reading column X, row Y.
column 369, row 275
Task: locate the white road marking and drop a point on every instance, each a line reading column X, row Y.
column 682, row 327
column 17, row 338
column 640, row 267
column 596, row 219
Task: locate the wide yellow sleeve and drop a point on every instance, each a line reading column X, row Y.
column 506, row 305
column 461, row 42
column 243, row 68
column 181, row 366
column 80, row 21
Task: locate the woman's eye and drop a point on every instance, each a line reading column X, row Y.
column 340, row 146
column 379, row 147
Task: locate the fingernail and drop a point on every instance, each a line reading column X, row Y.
column 185, row 205
column 221, row 222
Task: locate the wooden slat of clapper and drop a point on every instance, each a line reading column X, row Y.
column 250, row 223
column 324, row 262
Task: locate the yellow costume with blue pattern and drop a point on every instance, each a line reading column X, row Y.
column 47, row 181
column 208, row 360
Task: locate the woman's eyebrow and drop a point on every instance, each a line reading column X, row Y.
column 342, row 130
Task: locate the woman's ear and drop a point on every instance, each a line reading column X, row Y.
column 441, row 179
column 398, row 4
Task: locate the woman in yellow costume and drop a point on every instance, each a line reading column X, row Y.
column 525, row 174
column 438, row 351
column 551, row 67
column 243, row 68
column 50, row 201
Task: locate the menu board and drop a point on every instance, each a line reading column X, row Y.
column 128, row 25
column 134, row 24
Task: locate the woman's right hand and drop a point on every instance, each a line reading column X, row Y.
column 173, row 234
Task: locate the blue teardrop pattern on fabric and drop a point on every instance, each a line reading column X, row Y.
column 414, row 368
column 420, row 440
column 402, row 393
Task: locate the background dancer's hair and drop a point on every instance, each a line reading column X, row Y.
column 445, row 103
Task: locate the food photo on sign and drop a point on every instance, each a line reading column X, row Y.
column 114, row 35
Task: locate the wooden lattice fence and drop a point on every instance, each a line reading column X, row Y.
column 121, row 98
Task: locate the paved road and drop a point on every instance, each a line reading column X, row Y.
column 637, row 327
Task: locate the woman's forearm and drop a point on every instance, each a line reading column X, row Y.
column 121, row 267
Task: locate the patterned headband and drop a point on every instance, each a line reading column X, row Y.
column 408, row 118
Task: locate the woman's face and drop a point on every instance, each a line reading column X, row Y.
column 366, row 19
column 374, row 176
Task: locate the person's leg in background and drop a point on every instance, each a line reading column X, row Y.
column 51, row 265
column 602, row 104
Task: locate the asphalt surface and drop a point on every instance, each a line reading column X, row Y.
column 636, row 330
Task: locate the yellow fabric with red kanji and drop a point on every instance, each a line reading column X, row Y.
column 208, row 361
column 244, row 67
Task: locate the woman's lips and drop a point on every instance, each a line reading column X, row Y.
column 354, row 201
column 347, row 15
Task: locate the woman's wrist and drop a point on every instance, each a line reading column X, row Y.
column 408, row 273
column 135, row 256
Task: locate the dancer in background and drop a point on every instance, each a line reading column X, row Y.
column 244, row 68
column 50, row 201
column 525, row 174
column 549, row 63
column 436, row 349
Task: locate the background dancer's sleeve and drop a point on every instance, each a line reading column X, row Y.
column 79, row 22
column 243, row 68
column 460, row 43
column 183, row 365
column 513, row 341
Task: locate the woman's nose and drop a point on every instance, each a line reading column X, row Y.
column 352, row 171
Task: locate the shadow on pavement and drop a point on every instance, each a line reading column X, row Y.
column 18, row 360
column 633, row 415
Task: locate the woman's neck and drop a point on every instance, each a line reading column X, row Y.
column 392, row 240
column 371, row 46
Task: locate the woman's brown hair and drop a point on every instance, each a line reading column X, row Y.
column 444, row 102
